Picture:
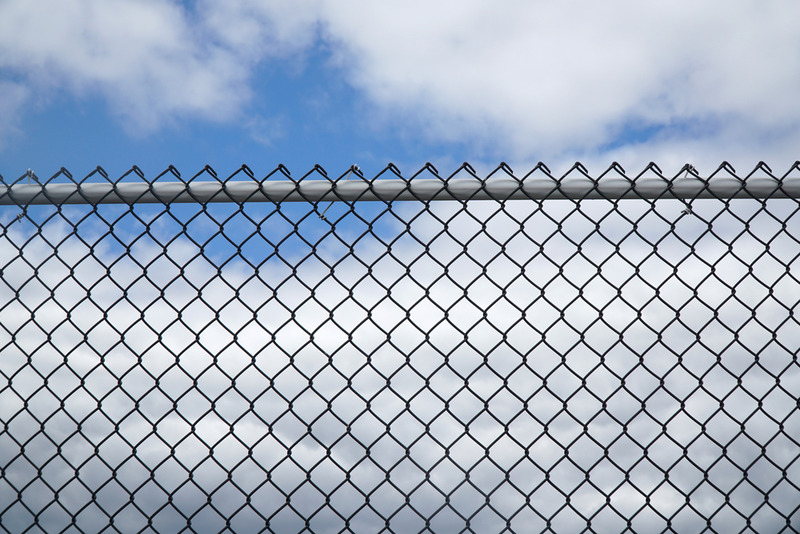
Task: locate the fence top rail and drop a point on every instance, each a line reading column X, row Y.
column 575, row 185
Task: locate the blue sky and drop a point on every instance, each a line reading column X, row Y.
column 159, row 82
column 319, row 120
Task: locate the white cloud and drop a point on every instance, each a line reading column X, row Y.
column 152, row 60
column 518, row 80
column 544, row 78
column 256, row 29
column 13, row 97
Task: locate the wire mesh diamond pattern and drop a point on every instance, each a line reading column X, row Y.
column 573, row 361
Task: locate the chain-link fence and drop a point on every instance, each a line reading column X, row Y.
column 401, row 354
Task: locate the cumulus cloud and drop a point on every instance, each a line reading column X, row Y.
column 546, row 78
column 152, row 60
column 523, row 79
column 13, row 97
column 257, row 29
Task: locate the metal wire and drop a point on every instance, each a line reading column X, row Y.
column 460, row 354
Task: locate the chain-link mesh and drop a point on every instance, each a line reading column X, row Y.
column 400, row 366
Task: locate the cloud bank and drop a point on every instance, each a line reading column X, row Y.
column 710, row 81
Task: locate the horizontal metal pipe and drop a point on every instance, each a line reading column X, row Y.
column 394, row 189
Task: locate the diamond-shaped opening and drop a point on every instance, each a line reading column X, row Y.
column 606, row 476
column 600, row 338
column 601, row 381
column 587, row 500
column 445, row 337
column 426, row 406
column 447, row 520
column 42, row 404
column 208, row 517
column 562, row 382
column 29, row 338
column 213, row 382
column 114, row 451
column 784, row 498
column 132, row 474
column 100, row 381
column 725, row 476
column 386, row 452
column 528, row 473
column 367, row 475
column 521, row 380
column 545, row 407
column 445, row 382
column 406, row 476
column 446, row 429
column 406, row 337
column 487, row 520
column 386, row 405
column 767, row 519
column 740, row 404
column 426, row 452
column 289, row 429
column 700, row 406
column 566, row 476
column 66, row 336
column 562, row 337
column 368, row 336
column 465, row 406
column 583, row 405
column 386, row 500
column 746, row 499
column 153, row 407
column 112, row 497
column 625, row 453
column 191, row 452
column 728, row 519
column 547, row 500
column 247, row 519
column 406, row 383
column 484, row 382
column 485, row 335
column 347, row 499
column 646, row 476
column 251, row 338
column 657, row 409
column 722, row 428
column 585, row 453
column 52, row 518
column 579, row 272
column 664, row 452
column 703, row 452
column 467, row 499
column 269, row 452
column 467, row 451
column 91, row 518
column 464, row 361
column 80, row 404
column 505, row 405
column 149, row 497
column 487, row 476
column 308, row 452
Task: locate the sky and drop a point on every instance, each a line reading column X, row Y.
column 390, row 350
column 157, row 82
